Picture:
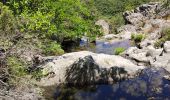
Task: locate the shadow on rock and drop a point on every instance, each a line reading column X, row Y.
column 86, row 72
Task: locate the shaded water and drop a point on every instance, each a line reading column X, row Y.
column 149, row 85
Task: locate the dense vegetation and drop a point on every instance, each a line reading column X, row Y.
column 41, row 26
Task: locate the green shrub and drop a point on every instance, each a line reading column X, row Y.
column 137, row 37
column 16, row 66
column 53, row 48
column 119, row 50
column 16, row 70
column 159, row 43
column 166, row 33
column 165, row 36
column 116, row 21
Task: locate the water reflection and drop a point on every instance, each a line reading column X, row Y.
column 105, row 47
column 150, row 85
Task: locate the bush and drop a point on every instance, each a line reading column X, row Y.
column 53, row 48
column 137, row 37
column 116, row 21
column 16, row 70
column 16, row 66
column 119, row 50
column 165, row 36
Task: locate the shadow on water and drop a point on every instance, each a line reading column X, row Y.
column 100, row 46
column 149, row 85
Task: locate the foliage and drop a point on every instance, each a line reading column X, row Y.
column 68, row 19
column 17, row 70
column 112, row 10
column 37, row 74
column 137, row 37
column 113, row 7
column 16, row 66
column 53, row 49
column 165, row 36
column 159, row 43
column 7, row 22
column 119, row 50
column 116, row 21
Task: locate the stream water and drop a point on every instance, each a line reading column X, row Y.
column 100, row 46
column 149, row 85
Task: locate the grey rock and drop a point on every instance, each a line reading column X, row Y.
column 167, row 47
column 104, row 25
column 126, row 31
column 59, row 66
column 135, row 19
column 86, row 71
column 110, row 36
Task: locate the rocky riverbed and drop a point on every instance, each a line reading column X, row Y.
column 100, row 66
column 145, row 19
column 87, row 68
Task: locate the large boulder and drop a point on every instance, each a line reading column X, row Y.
column 59, row 66
column 86, row 71
column 83, row 71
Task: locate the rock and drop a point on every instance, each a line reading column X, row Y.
column 149, row 10
column 104, row 25
column 110, row 36
column 126, row 31
column 154, row 52
column 103, row 61
column 164, row 59
column 167, row 47
column 20, row 95
column 135, row 19
column 136, row 54
column 147, row 28
column 84, row 71
column 142, row 56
